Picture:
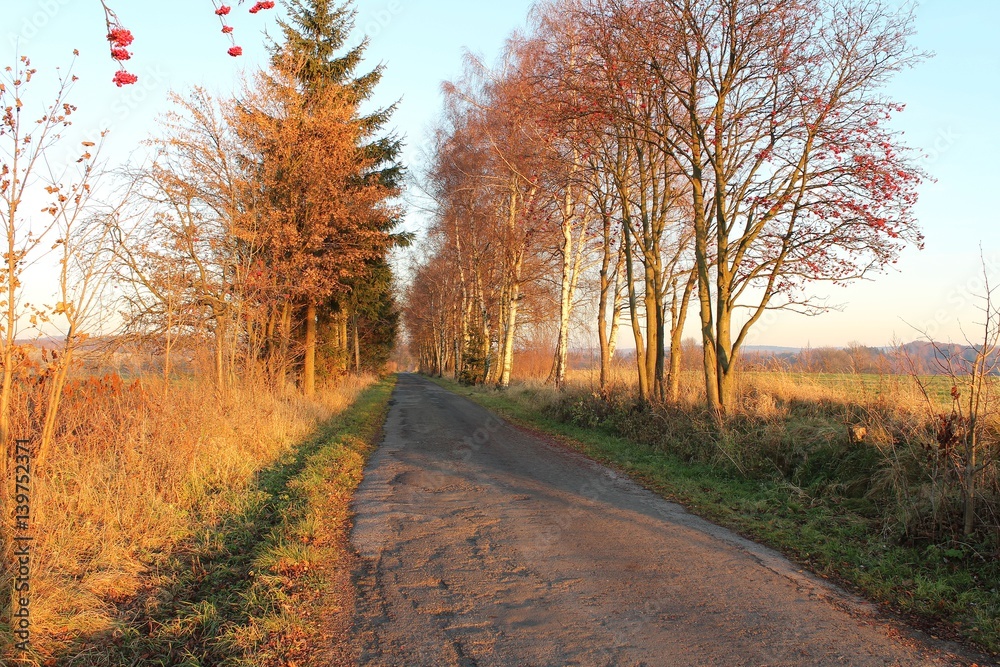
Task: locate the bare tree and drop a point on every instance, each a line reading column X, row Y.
column 27, row 140
column 778, row 126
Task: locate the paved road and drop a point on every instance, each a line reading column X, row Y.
column 481, row 544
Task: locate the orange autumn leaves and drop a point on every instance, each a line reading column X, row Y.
column 317, row 214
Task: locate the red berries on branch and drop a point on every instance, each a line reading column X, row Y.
column 123, row 78
column 222, row 11
column 120, row 38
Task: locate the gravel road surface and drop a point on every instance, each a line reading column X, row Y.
column 482, row 544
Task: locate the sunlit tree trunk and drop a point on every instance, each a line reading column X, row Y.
column 605, row 288
column 309, row 361
column 514, row 293
column 633, row 307
column 357, row 347
column 678, row 318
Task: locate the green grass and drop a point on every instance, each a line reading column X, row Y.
column 250, row 589
column 951, row 589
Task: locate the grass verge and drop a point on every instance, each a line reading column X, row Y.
column 268, row 583
column 951, row 592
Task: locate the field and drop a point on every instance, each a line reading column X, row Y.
column 869, row 387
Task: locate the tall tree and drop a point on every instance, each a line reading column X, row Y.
column 778, row 124
column 314, row 52
column 322, row 218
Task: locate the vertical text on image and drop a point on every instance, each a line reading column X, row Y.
column 21, row 615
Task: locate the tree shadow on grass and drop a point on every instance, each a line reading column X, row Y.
column 207, row 604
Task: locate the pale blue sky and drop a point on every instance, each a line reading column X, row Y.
column 952, row 103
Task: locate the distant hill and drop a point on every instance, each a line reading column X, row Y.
column 921, row 357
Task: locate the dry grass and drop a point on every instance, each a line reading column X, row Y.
column 781, row 386
column 787, row 423
column 140, row 468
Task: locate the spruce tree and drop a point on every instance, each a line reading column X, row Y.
column 315, row 47
column 315, row 35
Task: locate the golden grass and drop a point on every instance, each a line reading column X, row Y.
column 138, row 469
column 759, row 393
column 774, row 414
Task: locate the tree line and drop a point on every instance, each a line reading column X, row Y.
column 265, row 220
column 257, row 227
column 713, row 157
column 270, row 215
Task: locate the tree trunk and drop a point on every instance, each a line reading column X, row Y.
column 971, row 442
column 602, row 307
column 510, row 330
column 9, row 341
column 558, row 374
column 485, row 341
column 52, row 406
column 345, row 363
column 703, row 265
column 572, row 252
column 651, row 300
column 357, row 347
column 309, row 363
column 661, row 350
column 633, row 306
column 514, row 292
column 617, row 303
column 220, row 351
column 678, row 320
column 466, row 309
column 285, row 344
column 723, row 337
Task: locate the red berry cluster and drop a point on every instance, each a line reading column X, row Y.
column 120, row 38
column 123, row 78
column 222, row 11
